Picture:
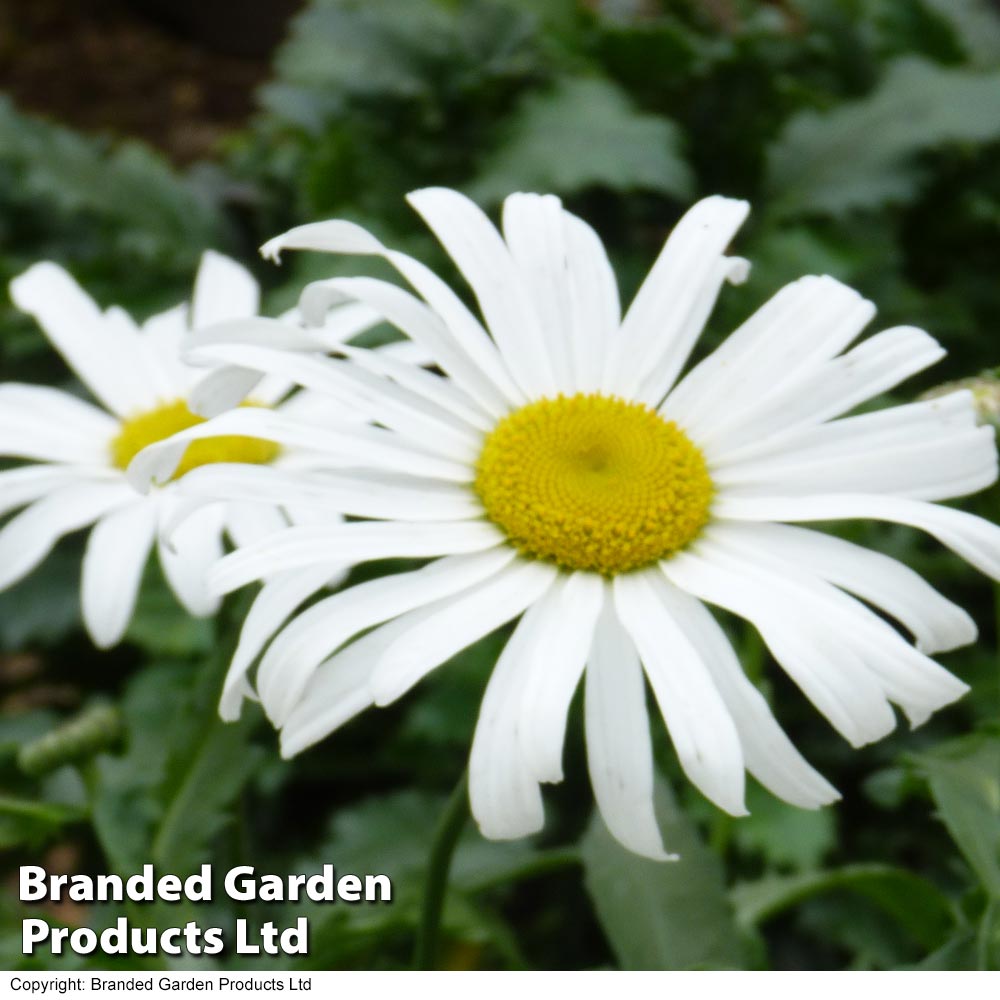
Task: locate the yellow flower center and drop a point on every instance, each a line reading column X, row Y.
column 166, row 420
column 593, row 483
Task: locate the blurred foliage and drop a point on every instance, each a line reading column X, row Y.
column 866, row 134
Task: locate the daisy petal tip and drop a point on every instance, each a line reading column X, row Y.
column 647, row 844
column 433, row 191
column 139, row 479
column 271, row 250
column 658, row 854
column 229, row 713
column 383, row 694
column 231, row 702
column 739, row 270
column 101, row 637
column 289, row 747
column 834, row 798
column 35, row 283
column 499, row 831
column 731, row 801
column 719, row 206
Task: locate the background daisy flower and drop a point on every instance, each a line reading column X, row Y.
column 563, row 474
column 79, row 450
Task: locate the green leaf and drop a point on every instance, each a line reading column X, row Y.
column 988, row 938
column 661, row 915
column 976, row 24
column 31, row 824
column 785, row 835
column 161, row 624
column 957, row 954
column 392, row 834
column 45, row 606
column 585, row 133
column 862, row 154
column 917, row 905
column 153, row 213
column 964, row 779
column 170, row 794
column 423, row 55
column 202, row 793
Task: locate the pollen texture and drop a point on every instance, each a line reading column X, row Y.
column 147, row 428
column 593, row 483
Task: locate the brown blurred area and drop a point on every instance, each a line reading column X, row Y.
column 178, row 73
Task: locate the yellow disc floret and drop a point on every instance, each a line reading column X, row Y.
column 593, row 483
column 166, row 420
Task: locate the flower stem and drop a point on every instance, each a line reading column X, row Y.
column 438, row 865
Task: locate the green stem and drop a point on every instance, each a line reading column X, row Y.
column 987, row 937
column 996, row 604
column 439, row 864
column 542, row 863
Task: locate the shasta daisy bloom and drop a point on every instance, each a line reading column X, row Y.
column 564, row 473
column 78, row 451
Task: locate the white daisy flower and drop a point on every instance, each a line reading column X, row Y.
column 79, row 451
column 562, row 473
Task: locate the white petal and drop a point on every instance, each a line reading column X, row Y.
column 488, row 380
column 161, row 339
column 770, row 756
column 37, row 422
column 346, row 445
column 334, row 236
column 466, row 618
column 222, row 390
column 79, row 332
column 27, row 539
column 976, row 540
column 665, row 318
column 361, row 494
column 277, row 599
column 829, row 389
column 925, row 469
column 478, row 251
column 322, row 629
column 804, row 324
column 116, row 554
column 252, row 331
column 661, row 376
column 194, row 547
column 619, row 750
column 906, row 676
column 344, row 323
column 477, row 376
column 339, row 689
column 504, row 795
column 317, row 408
column 596, row 311
column 569, row 614
column 931, row 420
column 31, row 482
column 812, row 653
column 223, row 290
column 354, row 543
column 248, row 519
column 697, row 719
column 150, row 380
column 405, row 352
column 432, row 387
column 534, row 229
column 936, row 622
column 412, row 416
